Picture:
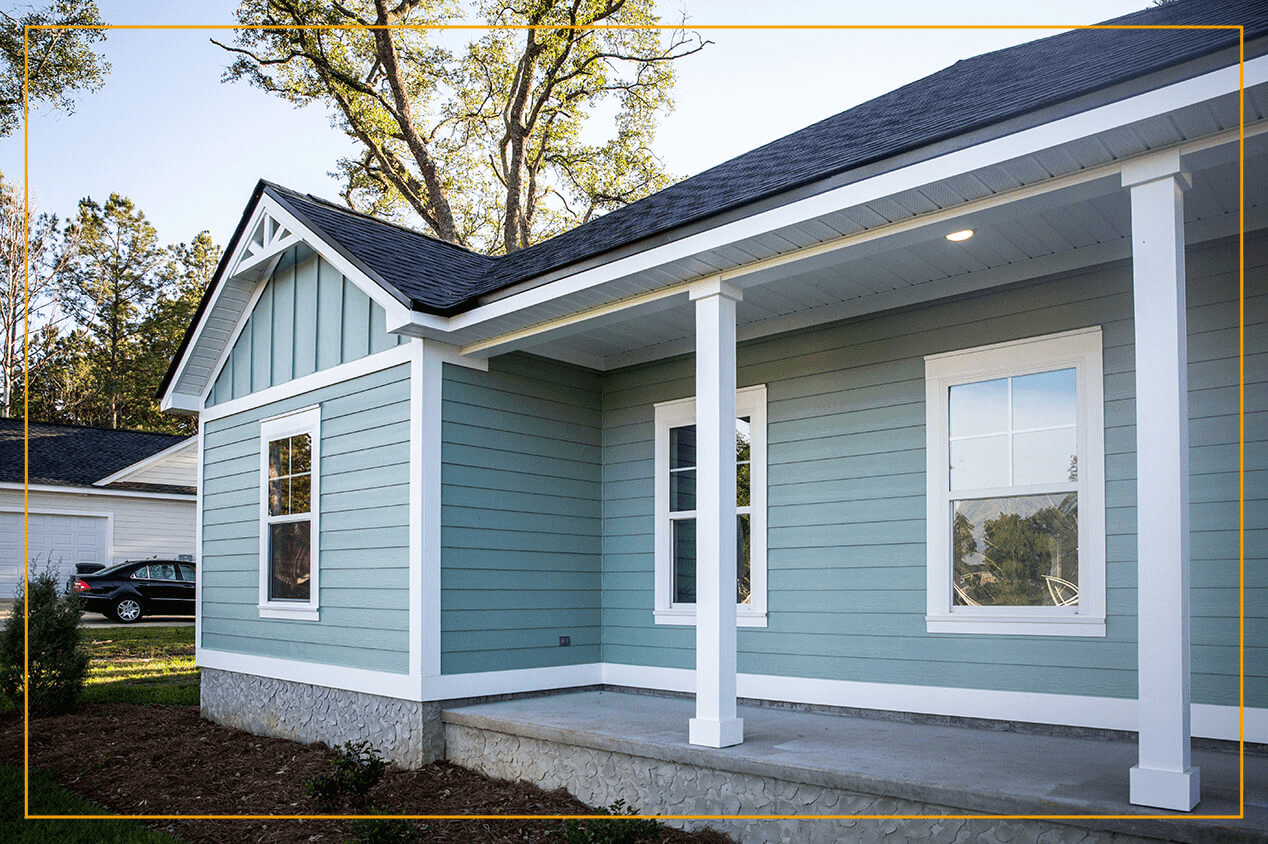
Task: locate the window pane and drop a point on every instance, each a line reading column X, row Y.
column 279, row 458
column 162, row 571
column 1045, row 457
column 1021, row 551
column 980, row 408
column 279, row 497
column 289, row 561
column 743, row 485
column 979, row 462
column 1044, row 400
column 301, row 493
column 187, row 572
column 301, row 454
column 682, row 447
column 682, row 490
column 142, row 573
column 743, row 439
column 743, row 567
column 684, row 561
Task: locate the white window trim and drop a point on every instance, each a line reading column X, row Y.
column 1080, row 349
column 304, row 421
column 750, row 402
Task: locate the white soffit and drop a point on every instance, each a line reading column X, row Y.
column 1081, row 209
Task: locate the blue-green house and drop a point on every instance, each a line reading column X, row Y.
column 952, row 403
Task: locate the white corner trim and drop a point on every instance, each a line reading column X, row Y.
column 478, row 684
column 387, row 684
column 142, row 465
column 386, row 359
column 198, row 539
column 88, row 490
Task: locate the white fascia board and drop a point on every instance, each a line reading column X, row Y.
column 88, row 490
column 1027, row 141
column 142, row 465
column 180, row 403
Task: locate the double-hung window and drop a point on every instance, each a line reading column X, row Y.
column 289, row 481
column 675, row 502
column 1016, row 487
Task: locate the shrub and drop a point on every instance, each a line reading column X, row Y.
column 618, row 829
column 384, row 831
column 358, row 768
column 58, row 663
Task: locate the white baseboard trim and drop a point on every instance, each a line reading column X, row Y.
column 401, row 686
column 1208, row 721
column 479, row 684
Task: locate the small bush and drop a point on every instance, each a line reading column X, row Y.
column 58, row 662
column 358, row 768
column 384, row 831
column 618, row 829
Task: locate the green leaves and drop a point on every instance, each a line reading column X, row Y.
column 539, row 124
column 58, row 63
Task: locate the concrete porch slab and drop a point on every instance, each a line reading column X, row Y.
column 936, row 769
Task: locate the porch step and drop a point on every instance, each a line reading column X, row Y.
column 604, row 745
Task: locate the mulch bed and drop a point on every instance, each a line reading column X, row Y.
column 168, row 761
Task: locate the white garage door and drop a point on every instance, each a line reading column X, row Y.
column 64, row 539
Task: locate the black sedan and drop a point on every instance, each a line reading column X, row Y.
column 137, row 588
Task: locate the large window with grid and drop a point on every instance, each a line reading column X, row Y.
column 289, row 489
column 1015, row 450
column 676, row 471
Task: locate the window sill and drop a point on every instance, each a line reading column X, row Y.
column 1016, row 625
column 301, row 612
column 687, row 617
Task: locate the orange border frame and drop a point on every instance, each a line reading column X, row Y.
column 1242, row 439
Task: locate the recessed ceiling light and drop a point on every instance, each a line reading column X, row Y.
column 962, row 234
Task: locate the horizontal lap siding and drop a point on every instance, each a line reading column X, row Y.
column 364, row 551
column 520, row 516
column 309, row 317
column 846, row 533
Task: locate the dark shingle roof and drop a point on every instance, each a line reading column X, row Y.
column 437, row 277
column 69, row 455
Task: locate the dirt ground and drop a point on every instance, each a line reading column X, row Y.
column 168, row 761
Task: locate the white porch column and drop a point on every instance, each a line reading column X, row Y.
column 715, row 724
column 1164, row 777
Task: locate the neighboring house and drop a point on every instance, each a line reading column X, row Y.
column 96, row 496
column 993, row 477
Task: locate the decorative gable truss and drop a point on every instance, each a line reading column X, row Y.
column 269, row 239
column 269, row 231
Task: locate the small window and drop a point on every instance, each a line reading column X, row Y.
column 675, row 581
column 289, row 465
column 187, row 571
column 1015, row 451
column 143, row 573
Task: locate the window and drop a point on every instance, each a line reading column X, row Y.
column 289, row 470
column 1016, row 488
column 675, row 599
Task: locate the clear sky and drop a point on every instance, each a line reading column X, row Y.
column 188, row 148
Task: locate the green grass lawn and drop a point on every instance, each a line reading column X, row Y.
column 141, row 665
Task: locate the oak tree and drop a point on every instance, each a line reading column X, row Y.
column 487, row 145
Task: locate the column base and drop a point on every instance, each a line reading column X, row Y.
column 710, row 733
column 1176, row 790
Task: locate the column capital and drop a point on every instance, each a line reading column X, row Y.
column 1155, row 166
column 716, row 287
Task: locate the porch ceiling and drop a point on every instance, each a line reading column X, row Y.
column 1081, row 225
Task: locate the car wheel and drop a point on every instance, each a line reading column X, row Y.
column 127, row 610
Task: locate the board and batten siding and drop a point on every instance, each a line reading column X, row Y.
column 309, row 317
column 521, row 448
column 846, row 535
column 364, row 542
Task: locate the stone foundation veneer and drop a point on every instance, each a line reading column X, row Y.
column 656, row 786
column 406, row 732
